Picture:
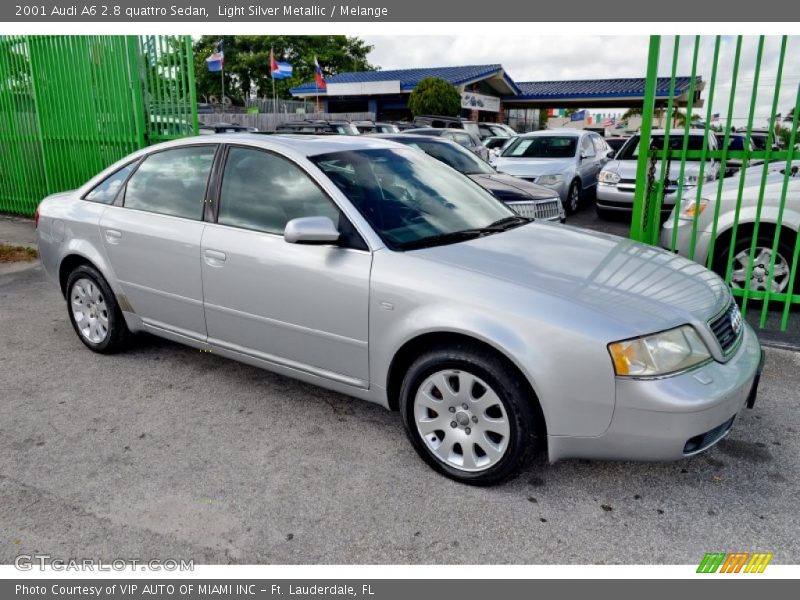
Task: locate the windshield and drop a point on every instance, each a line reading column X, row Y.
column 630, row 151
column 759, row 141
column 736, row 143
column 387, row 129
column 457, row 157
column 542, row 146
column 408, row 198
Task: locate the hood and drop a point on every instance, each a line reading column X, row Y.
column 641, row 287
column 626, row 169
column 533, row 167
column 509, row 188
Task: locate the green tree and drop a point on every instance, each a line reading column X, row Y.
column 247, row 62
column 435, row 96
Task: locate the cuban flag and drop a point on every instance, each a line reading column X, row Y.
column 216, row 61
column 318, row 75
column 279, row 70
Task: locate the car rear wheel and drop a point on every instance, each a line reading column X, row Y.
column 94, row 312
column 573, row 197
column 468, row 415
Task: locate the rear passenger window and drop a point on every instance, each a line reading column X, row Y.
column 172, row 182
column 262, row 191
column 105, row 191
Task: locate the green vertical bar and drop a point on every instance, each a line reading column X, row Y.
column 637, row 231
column 665, row 145
column 701, row 568
column 136, row 77
column 790, row 156
column 190, row 82
column 745, row 158
column 687, row 123
column 704, row 153
column 762, row 186
column 724, row 161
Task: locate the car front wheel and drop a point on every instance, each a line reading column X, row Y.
column 94, row 312
column 468, row 415
column 766, row 271
column 573, row 198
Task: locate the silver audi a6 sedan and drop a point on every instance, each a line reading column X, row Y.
column 369, row 268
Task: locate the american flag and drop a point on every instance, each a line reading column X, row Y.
column 715, row 118
column 609, row 122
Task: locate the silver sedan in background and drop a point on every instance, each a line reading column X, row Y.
column 565, row 160
column 369, row 268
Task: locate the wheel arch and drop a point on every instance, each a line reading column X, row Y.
column 407, row 353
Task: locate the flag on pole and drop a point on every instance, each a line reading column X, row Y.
column 318, row 75
column 715, row 118
column 279, row 70
column 609, row 122
column 579, row 115
column 216, row 61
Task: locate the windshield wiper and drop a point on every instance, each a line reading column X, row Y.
column 508, row 223
column 463, row 235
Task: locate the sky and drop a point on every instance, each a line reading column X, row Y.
column 539, row 58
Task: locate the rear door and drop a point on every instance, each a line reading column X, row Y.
column 300, row 306
column 588, row 167
column 153, row 239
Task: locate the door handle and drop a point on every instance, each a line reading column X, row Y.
column 214, row 258
column 113, row 236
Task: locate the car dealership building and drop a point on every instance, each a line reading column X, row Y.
column 488, row 93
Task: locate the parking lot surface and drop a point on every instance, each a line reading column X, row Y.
column 167, row 452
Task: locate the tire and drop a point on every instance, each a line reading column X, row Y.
column 500, row 421
column 759, row 276
column 573, row 201
column 94, row 312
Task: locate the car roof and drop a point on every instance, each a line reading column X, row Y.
column 678, row 132
column 303, row 144
column 431, row 130
column 434, row 139
column 559, row 131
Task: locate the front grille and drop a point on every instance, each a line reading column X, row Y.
column 709, row 438
column 538, row 209
column 727, row 327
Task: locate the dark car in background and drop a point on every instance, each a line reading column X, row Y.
column 318, row 127
column 460, row 136
column 524, row 197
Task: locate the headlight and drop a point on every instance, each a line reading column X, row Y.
column 609, row 177
column 691, row 208
column 549, row 179
column 659, row 354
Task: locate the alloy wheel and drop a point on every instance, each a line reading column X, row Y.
column 760, row 271
column 89, row 310
column 461, row 420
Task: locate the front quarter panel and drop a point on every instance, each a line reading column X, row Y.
column 557, row 346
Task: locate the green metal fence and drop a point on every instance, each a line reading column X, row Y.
column 72, row 105
column 730, row 170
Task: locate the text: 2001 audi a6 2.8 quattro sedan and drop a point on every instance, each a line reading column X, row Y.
column 372, row 269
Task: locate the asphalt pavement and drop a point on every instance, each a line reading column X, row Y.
column 166, row 452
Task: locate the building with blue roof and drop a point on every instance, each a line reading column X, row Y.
column 488, row 93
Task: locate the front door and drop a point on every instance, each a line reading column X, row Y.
column 300, row 306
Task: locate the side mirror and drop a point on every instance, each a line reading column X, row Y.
column 611, row 154
column 311, row 230
column 585, row 155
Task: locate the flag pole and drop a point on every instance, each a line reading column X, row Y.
column 272, row 76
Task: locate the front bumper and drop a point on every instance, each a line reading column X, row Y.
column 615, row 198
column 672, row 417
